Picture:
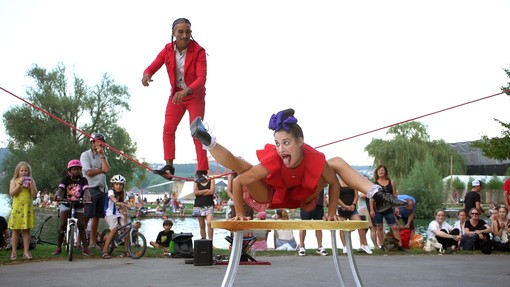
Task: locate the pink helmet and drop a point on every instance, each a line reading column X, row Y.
column 73, row 163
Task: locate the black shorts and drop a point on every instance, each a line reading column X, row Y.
column 96, row 208
column 317, row 213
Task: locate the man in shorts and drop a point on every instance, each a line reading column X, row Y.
column 95, row 166
column 315, row 214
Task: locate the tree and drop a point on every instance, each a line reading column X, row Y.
column 425, row 184
column 497, row 147
column 411, row 144
column 48, row 143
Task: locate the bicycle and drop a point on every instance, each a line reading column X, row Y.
column 38, row 231
column 137, row 244
column 72, row 224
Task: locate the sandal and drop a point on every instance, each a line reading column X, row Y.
column 105, row 255
column 14, row 256
column 125, row 254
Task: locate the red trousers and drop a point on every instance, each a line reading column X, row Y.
column 173, row 116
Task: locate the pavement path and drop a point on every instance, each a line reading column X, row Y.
column 398, row 270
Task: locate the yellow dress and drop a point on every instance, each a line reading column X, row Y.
column 22, row 212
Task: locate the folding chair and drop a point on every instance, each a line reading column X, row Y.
column 247, row 244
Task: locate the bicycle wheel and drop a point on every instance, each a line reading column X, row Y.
column 137, row 244
column 70, row 243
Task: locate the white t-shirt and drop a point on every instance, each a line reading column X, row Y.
column 461, row 228
column 434, row 225
column 111, row 208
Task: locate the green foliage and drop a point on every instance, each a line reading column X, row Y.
column 410, row 144
column 454, row 184
column 48, row 133
column 497, row 147
column 425, row 184
column 494, row 183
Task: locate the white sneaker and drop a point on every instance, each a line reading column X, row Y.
column 344, row 250
column 302, row 251
column 366, row 249
column 321, row 251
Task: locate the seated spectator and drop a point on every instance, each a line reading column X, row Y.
column 4, row 234
column 476, row 232
column 284, row 239
column 440, row 231
column 460, row 224
column 164, row 237
column 500, row 230
column 261, row 235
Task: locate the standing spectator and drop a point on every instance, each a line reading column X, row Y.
column 347, row 211
column 314, row 214
column 364, row 214
column 385, row 211
column 473, row 198
column 203, row 208
column 73, row 187
column 284, row 239
column 506, row 189
column 95, row 166
column 186, row 64
column 23, row 189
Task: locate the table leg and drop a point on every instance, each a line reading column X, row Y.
column 336, row 260
column 233, row 262
column 352, row 261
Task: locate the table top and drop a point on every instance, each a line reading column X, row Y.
column 239, row 225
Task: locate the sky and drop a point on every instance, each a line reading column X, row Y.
column 346, row 67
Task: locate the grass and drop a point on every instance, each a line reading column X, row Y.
column 43, row 253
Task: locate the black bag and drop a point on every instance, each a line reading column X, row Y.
column 183, row 245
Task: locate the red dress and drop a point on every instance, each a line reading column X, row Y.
column 291, row 186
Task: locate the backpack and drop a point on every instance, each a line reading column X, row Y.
column 183, row 245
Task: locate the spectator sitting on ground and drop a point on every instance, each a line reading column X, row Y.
column 476, row 231
column 261, row 235
column 439, row 231
column 501, row 230
column 164, row 237
column 284, row 239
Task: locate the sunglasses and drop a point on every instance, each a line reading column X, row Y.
column 474, row 213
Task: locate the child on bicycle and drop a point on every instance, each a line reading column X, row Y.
column 115, row 213
column 73, row 187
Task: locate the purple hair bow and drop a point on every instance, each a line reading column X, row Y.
column 279, row 121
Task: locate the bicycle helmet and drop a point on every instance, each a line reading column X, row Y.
column 98, row 136
column 73, row 163
column 118, row 179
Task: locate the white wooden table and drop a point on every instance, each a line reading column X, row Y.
column 238, row 226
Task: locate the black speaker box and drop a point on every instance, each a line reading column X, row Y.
column 203, row 252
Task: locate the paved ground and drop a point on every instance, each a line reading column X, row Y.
column 405, row 270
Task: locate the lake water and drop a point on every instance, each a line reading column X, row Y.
column 151, row 226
